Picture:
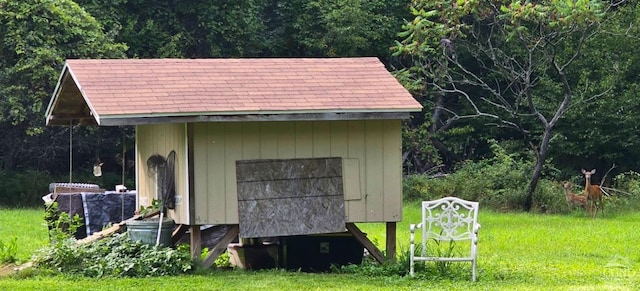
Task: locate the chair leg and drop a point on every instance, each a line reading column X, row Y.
column 473, row 270
column 411, row 249
column 411, row 262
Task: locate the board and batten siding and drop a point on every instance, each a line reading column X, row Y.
column 371, row 151
column 162, row 139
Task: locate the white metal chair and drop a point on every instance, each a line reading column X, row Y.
column 447, row 219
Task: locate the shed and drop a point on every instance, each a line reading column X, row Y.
column 220, row 115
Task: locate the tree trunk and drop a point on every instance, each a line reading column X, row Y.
column 537, row 170
column 541, row 156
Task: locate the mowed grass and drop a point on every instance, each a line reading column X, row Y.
column 517, row 251
column 27, row 226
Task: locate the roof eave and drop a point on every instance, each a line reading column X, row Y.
column 51, row 119
column 56, row 94
column 117, row 120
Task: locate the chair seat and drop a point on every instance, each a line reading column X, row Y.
column 442, row 259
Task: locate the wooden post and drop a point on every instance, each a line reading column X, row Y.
column 196, row 242
column 391, row 241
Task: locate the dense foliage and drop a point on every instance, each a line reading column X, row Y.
column 507, row 57
column 116, row 256
column 496, row 183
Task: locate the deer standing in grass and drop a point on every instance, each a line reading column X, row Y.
column 574, row 199
column 593, row 193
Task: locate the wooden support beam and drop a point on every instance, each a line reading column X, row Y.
column 107, row 232
column 366, row 243
column 221, row 246
column 178, row 233
column 196, row 242
column 391, row 241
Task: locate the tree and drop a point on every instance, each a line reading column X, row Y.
column 183, row 29
column 250, row 28
column 511, row 64
column 35, row 39
column 346, row 27
column 595, row 133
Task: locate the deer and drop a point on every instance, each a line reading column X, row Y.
column 593, row 193
column 572, row 198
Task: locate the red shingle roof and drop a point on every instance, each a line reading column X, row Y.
column 187, row 87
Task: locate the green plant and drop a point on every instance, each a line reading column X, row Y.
column 625, row 192
column 223, row 261
column 23, row 188
column 155, row 206
column 498, row 182
column 62, row 226
column 444, row 250
column 8, row 250
column 116, row 256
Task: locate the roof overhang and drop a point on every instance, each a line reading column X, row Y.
column 283, row 116
column 69, row 104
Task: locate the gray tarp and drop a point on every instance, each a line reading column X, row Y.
column 97, row 210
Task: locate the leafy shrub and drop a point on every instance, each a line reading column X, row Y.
column 370, row 267
column 8, row 250
column 223, row 261
column 61, row 225
column 549, row 197
column 499, row 182
column 625, row 193
column 400, row 267
column 116, row 256
column 416, row 187
column 23, row 189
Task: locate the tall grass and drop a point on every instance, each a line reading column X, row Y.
column 517, row 251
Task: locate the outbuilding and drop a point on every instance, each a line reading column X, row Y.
column 268, row 146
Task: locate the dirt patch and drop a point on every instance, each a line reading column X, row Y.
column 6, row 270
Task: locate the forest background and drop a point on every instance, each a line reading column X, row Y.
column 517, row 95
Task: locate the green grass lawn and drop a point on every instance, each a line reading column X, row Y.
column 517, row 251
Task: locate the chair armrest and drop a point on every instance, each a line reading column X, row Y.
column 412, row 230
column 476, row 228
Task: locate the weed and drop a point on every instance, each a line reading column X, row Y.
column 223, row 261
column 443, row 249
column 155, row 206
column 62, row 226
column 8, row 250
